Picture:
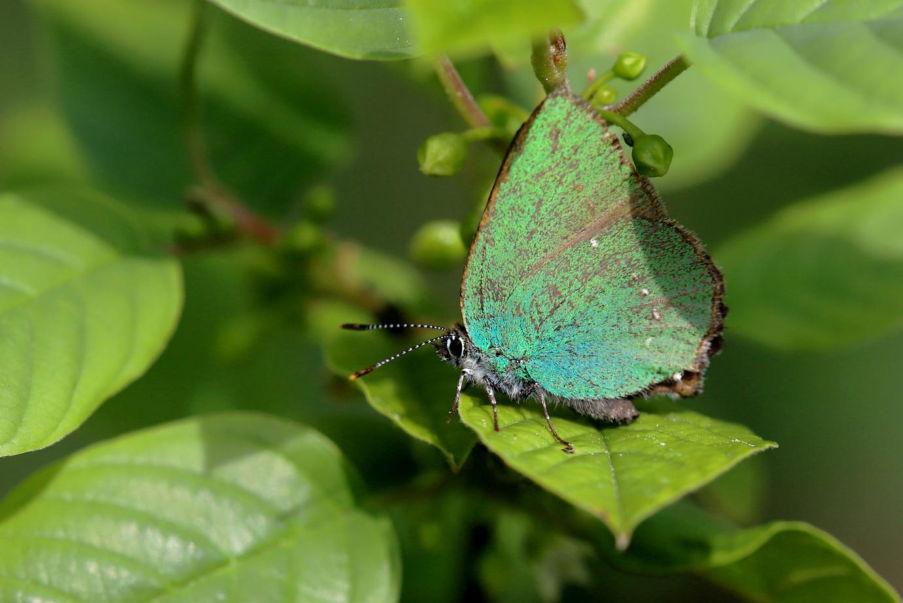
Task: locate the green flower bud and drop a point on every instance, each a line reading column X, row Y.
column 629, row 65
column 652, row 155
column 319, row 203
column 442, row 154
column 438, row 245
column 604, row 96
column 304, row 238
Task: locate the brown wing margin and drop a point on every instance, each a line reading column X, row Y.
column 691, row 379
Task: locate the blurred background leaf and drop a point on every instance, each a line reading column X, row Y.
column 824, row 66
column 270, row 124
column 474, row 26
column 356, row 29
column 782, row 561
column 707, row 128
column 822, row 272
column 87, row 302
column 524, row 563
column 436, row 534
column 38, row 149
column 236, row 506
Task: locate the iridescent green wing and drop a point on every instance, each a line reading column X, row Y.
column 576, row 278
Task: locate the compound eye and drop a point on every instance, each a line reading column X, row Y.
column 455, row 347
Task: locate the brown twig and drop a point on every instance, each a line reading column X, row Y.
column 650, row 87
column 460, row 94
column 209, row 194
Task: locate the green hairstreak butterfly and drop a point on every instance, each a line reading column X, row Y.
column 578, row 288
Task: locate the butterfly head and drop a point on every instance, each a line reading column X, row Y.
column 455, row 346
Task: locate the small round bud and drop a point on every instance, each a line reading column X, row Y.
column 629, row 65
column 442, row 154
column 319, row 203
column 605, row 95
column 438, row 245
column 652, row 155
column 304, row 238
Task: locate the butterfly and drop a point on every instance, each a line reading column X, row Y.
column 578, row 288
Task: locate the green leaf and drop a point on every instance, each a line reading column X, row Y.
column 37, row 148
column 434, row 532
column 821, row 273
column 356, row 29
column 415, row 392
column 473, row 25
column 620, row 474
column 373, row 273
column 823, row 66
column 87, row 302
column 238, row 507
column 782, row 561
column 707, row 127
column 270, row 123
column 526, row 562
column 740, row 494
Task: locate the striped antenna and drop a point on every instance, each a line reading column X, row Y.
column 358, row 374
column 403, row 325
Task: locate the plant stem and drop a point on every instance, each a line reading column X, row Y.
column 209, row 193
column 459, row 94
column 550, row 61
column 596, row 84
column 651, row 87
column 620, row 121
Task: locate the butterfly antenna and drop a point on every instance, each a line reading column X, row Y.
column 403, row 325
column 358, row 374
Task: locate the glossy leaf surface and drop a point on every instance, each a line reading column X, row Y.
column 87, row 301
column 238, row 507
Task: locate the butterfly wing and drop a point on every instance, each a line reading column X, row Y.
column 576, row 278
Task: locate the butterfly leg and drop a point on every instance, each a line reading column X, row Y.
column 460, row 388
column 495, row 411
column 545, row 410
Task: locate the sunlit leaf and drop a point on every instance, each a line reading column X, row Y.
column 620, row 474
column 356, row 29
column 239, row 507
column 824, row 66
column 87, row 302
column 37, row 148
column 454, row 26
column 781, row 561
column 823, row 272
